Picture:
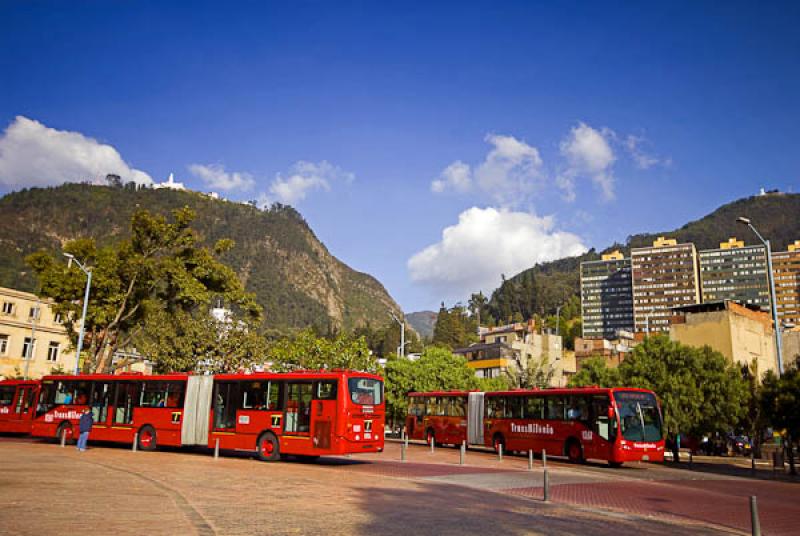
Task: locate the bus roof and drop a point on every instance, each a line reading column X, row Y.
column 19, row 382
column 567, row 391
column 177, row 376
column 441, row 393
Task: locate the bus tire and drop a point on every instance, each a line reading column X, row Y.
column 430, row 437
column 65, row 427
column 498, row 440
column 268, row 448
column 146, row 439
column 573, row 450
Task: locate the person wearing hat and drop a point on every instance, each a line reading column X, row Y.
column 85, row 426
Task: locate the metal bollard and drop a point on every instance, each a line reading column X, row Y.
column 544, row 458
column 530, row 460
column 406, row 440
column 433, row 445
column 500, row 452
column 755, row 523
column 402, row 452
column 461, row 454
column 690, row 459
column 63, row 437
column 546, row 485
column 135, row 445
column 752, row 463
column 216, row 448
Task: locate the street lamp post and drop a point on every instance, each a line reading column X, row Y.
column 772, row 300
column 402, row 350
column 88, row 273
column 558, row 320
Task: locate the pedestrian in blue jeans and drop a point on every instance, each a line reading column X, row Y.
column 85, row 427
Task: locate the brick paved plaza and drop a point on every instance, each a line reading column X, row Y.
column 46, row 489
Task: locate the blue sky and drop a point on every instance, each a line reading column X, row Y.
column 433, row 146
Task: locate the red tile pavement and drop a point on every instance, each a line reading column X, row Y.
column 418, row 470
column 720, row 502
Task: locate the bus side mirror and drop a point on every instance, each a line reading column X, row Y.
column 610, row 412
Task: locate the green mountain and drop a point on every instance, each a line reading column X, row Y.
column 542, row 288
column 278, row 257
column 422, row 322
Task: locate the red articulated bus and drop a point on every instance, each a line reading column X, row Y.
column 439, row 416
column 309, row 413
column 616, row 425
column 17, row 405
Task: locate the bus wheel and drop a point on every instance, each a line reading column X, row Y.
column 497, row 442
column 268, row 448
column 574, row 451
column 64, row 428
column 429, row 436
column 147, row 438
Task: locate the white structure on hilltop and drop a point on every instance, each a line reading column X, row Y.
column 170, row 184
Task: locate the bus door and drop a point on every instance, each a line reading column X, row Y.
column 323, row 413
column 100, row 401
column 124, row 402
column 602, row 428
column 226, row 403
column 25, row 404
column 297, row 416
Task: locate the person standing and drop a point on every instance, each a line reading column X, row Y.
column 85, row 426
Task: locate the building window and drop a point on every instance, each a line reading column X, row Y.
column 3, row 344
column 33, row 314
column 8, row 308
column 28, row 348
column 52, row 352
column 57, row 318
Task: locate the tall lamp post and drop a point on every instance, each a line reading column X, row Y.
column 88, row 273
column 402, row 349
column 772, row 300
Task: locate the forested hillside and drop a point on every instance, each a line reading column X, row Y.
column 542, row 288
column 277, row 256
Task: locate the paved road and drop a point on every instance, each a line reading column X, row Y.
column 45, row 489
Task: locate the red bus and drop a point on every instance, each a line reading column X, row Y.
column 616, row 425
column 17, row 405
column 300, row 413
column 439, row 417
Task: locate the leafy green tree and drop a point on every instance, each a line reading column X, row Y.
column 536, row 374
column 594, row 371
column 196, row 341
column 454, row 328
column 780, row 407
column 700, row 391
column 161, row 267
column 308, row 351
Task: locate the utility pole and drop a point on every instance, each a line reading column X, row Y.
column 773, row 301
column 402, row 350
column 558, row 320
column 29, row 355
column 88, row 273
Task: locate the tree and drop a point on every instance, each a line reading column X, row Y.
column 780, row 407
column 308, row 351
column 161, row 267
column 454, row 328
column 594, row 371
column 196, row 341
column 537, row 374
column 699, row 390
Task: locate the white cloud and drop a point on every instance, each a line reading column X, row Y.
column 303, row 178
column 643, row 160
column 588, row 154
column 215, row 176
column 457, row 177
column 510, row 172
column 32, row 154
column 486, row 243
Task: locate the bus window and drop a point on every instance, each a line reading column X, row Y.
column 254, row 395
column 100, row 396
column 275, row 396
column 458, row 407
column 639, row 417
column 534, row 407
column 298, row 407
column 226, row 397
column 7, row 395
column 72, row 393
column 577, row 409
column 124, row 402
column 162, row 395
column 495, row 407
column 601, row 423
column 513, row 407
column 365, row 391
column 555, row 408
column 325, row 390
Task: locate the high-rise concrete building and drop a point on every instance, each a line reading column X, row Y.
column 735, row 272
column 786, row 270
column 606, row 296
column 664, row 276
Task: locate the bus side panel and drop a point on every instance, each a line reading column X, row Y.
column 166, row 421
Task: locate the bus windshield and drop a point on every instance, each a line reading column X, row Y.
column 365, row 391
column 639, row 417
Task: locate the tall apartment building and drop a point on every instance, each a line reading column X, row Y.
column 606, row 296
column 786, row 270
column 32, row 337
column 664, row 276
column 735, row 272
